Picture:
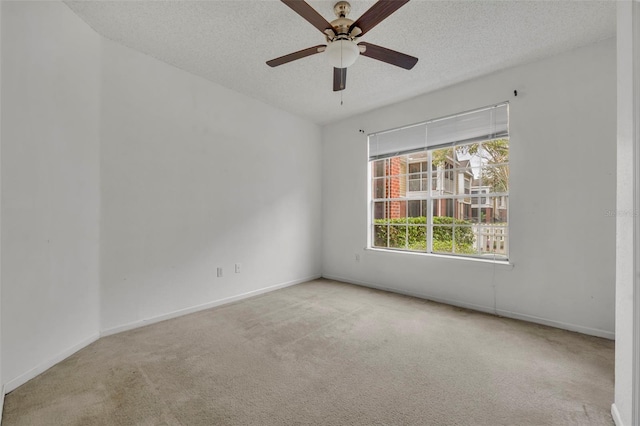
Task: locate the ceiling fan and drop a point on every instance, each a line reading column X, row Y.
column 342, row 38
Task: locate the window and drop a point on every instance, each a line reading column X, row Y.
column 443, row 186
column 477, row 201
column 418, row 173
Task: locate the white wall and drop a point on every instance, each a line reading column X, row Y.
column 627, row 219
column 563, row 162
column 195, row 176
column 50, row 186
column 1, row 381
column 179, row 174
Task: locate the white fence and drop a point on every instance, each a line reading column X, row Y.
column 491, row 238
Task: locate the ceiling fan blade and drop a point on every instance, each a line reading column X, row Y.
column 389, row 56
column 376, row 14
column 339, row 79
column 303, row 9
column 296, row 55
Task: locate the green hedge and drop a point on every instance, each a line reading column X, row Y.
column 417, row 239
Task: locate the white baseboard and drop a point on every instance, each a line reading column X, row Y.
column 610, row 335
column 2, row 393
column 208, row 305
column 24, row 378
column 487, row 309
column 616, row 415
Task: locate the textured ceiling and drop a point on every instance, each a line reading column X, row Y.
column 228, row 42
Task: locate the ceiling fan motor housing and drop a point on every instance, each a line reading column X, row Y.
column 342, row 24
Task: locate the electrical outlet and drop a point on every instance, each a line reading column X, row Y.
column 238, row 268
column 219, row 272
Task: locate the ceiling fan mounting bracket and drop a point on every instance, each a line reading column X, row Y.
column 342, row 9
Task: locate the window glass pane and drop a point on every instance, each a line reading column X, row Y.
column 419, row 158
column 415, row 182
column 441, row 157
column 380, row 211
column 397, row 166
column 461, row 156
column 417, row 238
column 414, row 167
column 450, row 208
column 479, row 198
column 443, row 208
column 379, row 188
column 493, row 240
column 378, row 168
column 475, row 214
column 461, row 210
column 397, row 211
column 397, row 236
column 434, row 182
column 469, row 155
column 464, row 240
column 443, row 178
column 486, row 215
column 464, row 178
column 442, row 239
column 447, row 186
column 380, row 233
column 396, row 187
column 464, row 212
column 418, row 181
column 417, row 208
column 494, row 210
column 495, row 151
column 496, row 178
column 501, row 209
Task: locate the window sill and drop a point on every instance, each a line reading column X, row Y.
column 505, row 263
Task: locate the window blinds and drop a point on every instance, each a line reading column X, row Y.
column 482, row 124
column 399, row 141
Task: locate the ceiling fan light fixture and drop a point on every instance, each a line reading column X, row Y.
column 342, row 53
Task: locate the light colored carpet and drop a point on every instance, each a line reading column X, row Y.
column 327, row 353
